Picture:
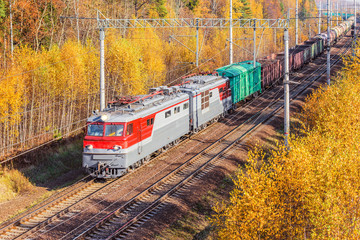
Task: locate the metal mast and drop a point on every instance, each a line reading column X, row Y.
column 355, row 22
column 328, row 43
column 297, row 23
column 102, row 69
column 231, row 36
column 346, row 10
column 197, row 42
column 319, row 24
column 254, row 53
column 286, row 90
column 337, row 13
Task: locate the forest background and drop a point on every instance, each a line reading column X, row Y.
column 49, row 76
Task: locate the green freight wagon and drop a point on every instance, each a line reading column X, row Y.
column 245, row 80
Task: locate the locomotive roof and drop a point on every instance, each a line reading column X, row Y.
column 144, row 106
column 201, row 82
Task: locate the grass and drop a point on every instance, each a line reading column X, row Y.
column 58, row 162
column 46, row 168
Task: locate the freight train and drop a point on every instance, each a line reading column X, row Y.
column 132, row 129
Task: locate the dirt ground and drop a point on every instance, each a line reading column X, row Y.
column 39, row 193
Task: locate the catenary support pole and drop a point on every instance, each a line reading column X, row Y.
column 346, row 10
column 337, row 13
column 355, row 22
column 254, row 53
column 231, row 36
column 328, row 43
column 319, row 24
column 197, row 42
column 286, row 90
column 297, row 23
column 331, row 17
column 102, row 69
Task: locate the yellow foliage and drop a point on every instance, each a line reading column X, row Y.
column 312, row 191
column 12, row 183
column 124, row 61
column 153, row 52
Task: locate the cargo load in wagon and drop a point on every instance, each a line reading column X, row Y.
column 270, row 70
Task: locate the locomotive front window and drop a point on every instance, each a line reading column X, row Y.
column 95, row 130
column 114, row 130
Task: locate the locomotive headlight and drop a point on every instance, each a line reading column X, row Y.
column 104, row 117
column 89, row 147
column 117, row 147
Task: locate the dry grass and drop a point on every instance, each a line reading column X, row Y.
column 12, row 183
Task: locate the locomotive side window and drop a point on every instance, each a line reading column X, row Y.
column 176, row 109
column 114, row 130
column 129, row 129
column 210, row 94
column 150, row 121
column 186, row 106
column 221, row 90
column 168, row 114
column 95, row 130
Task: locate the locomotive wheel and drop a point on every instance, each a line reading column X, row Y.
column 137, row 164
column 147, row 158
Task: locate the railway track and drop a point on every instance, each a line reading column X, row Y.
column 58, row 207
column 117, row 224
column 66, row 204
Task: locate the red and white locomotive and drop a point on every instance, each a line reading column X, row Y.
column 130, row 130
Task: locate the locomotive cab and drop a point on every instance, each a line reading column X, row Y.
column 104, row 144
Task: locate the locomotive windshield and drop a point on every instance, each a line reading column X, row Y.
column 114, row 130
column 95, row 130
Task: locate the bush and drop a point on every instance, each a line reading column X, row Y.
column 12, row 183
